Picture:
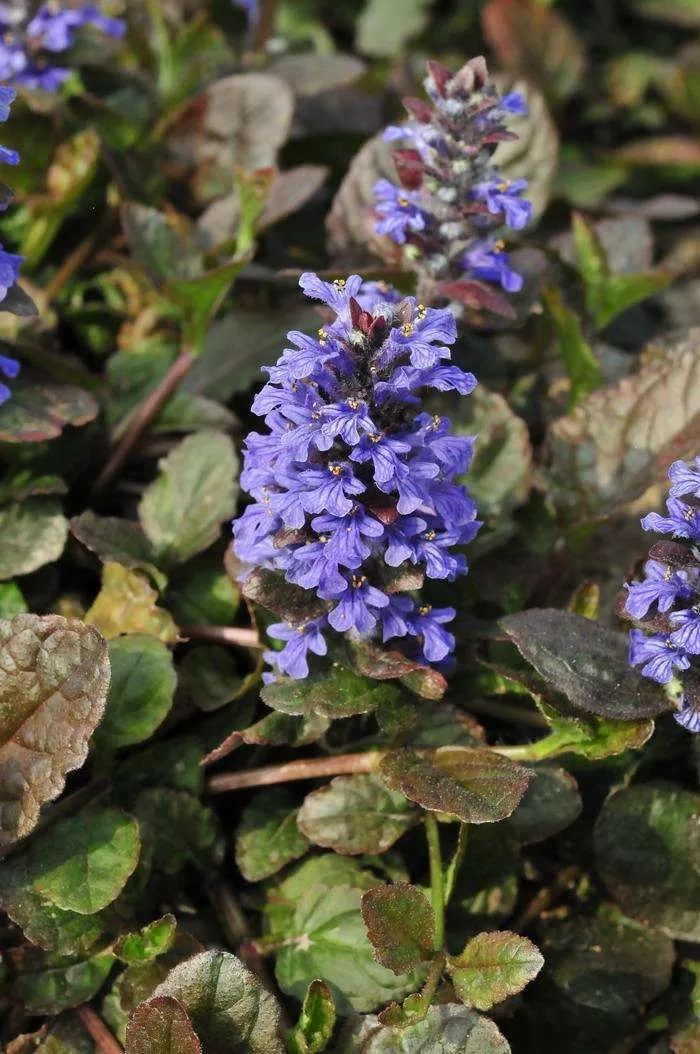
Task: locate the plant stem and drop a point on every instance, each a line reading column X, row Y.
column 305, row 769
column 455, row 863
column 73, row 262
column 238, row 635
column 437, row 879
column 266, row 24
column 143, row 416
column 94, row 1024
column 507, row 712
column 432, row 981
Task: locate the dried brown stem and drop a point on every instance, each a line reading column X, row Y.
column 143, row 417
column 305, row 769
column 106, row 1043
column 266, row 24
column 241, row 636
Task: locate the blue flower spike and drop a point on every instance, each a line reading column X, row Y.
column 666, row 601
column 453, row 206
column 354, row 479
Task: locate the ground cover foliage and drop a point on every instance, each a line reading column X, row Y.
column 377, row 857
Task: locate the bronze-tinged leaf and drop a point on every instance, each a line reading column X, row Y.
column 620, row 439
column 586, row 661
column 350, row 222
column 400, row 925
column 476, row 786
column 532, row 39
column 161, row 1026
column 40, row 408
column 238, row 122
column 494, row 966
column 54, row 676
column 290, row 602
column 382, row 664
column 356, row 814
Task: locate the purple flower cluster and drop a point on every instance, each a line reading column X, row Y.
column 28, row 41
column 354, row 480
column 9, row 263
column 667, row 601
column 452, row 199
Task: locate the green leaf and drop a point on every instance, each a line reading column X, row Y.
column 49, row 927
column 446, row 1029
column 476, row 786
column 268, row 836
column 230, row 1009
column 161, row 1026
column 172, row 763
column 500, row 475
column 194, row 492
column 313, row 1031
column 400, row 924
column 127, row 604
column 51, row 989
column 12, row 601
column 339, row 692
column 140, row 694
column 582, row 366
column 593, row 738
column 314, row 916
column 608, row 963
column 199, row 298
column 647, row 840
column 201, row 594
column 33, row 534
column 40, row 408
column 356, row 814
column 585, row 661
column 210, row 677
column 607, row 294
column 239, row 344
column 550, row 804
column 83, row 862
column 69, row 175
column 385, row 26
column 164, row 814
column 148, row 943
column 54, row 675
column 494, row 966
column 117, row 541
column 163, row 244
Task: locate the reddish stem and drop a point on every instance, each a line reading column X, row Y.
column 143, row 417
column 305, row 769
column 94, row 1024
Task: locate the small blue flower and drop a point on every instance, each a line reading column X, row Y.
column 487, row 260
column 502, row 197
column 683, row 521
column 658, row 654
column 399, row 211
column 686, row 630
column 684, row 479
column 302, row 639
column 9, row 368
column 688, row 715
column 661, row 586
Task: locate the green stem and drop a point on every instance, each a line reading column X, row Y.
column 456, row 862
column 437, row 879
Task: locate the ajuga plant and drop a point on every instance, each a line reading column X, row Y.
column 33, row 34
column 666, row 602
column 354, row 479
column 452, row 201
